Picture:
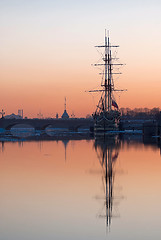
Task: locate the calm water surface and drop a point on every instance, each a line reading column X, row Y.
column 80, row 190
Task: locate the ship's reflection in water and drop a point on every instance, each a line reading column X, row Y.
column 107, row 150
column 47, row 189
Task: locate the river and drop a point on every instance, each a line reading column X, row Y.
column 80, row 190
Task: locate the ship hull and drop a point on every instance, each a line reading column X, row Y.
column 106, row 123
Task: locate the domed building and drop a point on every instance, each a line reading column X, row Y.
column 65, row 114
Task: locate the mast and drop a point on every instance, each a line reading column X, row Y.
column 110, row 80
column 108, row 72
column 106, row 64
column 108, row 86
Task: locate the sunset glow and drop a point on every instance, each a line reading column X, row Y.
column 47, row 48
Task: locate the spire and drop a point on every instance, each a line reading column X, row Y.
column 65, row 104
column 65, row 114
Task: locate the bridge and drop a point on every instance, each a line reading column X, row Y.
column 72, row 124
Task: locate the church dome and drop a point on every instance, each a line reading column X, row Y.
column 65, row 115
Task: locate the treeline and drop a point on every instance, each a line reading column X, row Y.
column 140, row 113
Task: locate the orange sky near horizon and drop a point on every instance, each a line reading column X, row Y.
column 47, row 50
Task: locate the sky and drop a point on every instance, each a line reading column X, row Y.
column 47, row 51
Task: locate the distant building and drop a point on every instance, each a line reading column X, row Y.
column 20, row 112
column 2, row 113
column 65, row 114
column 88, row 116
column 73, row 115
column 40, row 115
column 57, row 116
column 13, row 116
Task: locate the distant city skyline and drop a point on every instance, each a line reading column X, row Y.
column 47, row 48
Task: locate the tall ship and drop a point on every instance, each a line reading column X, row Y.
column 107, row 114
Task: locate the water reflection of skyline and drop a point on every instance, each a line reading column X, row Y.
column 126, row 141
